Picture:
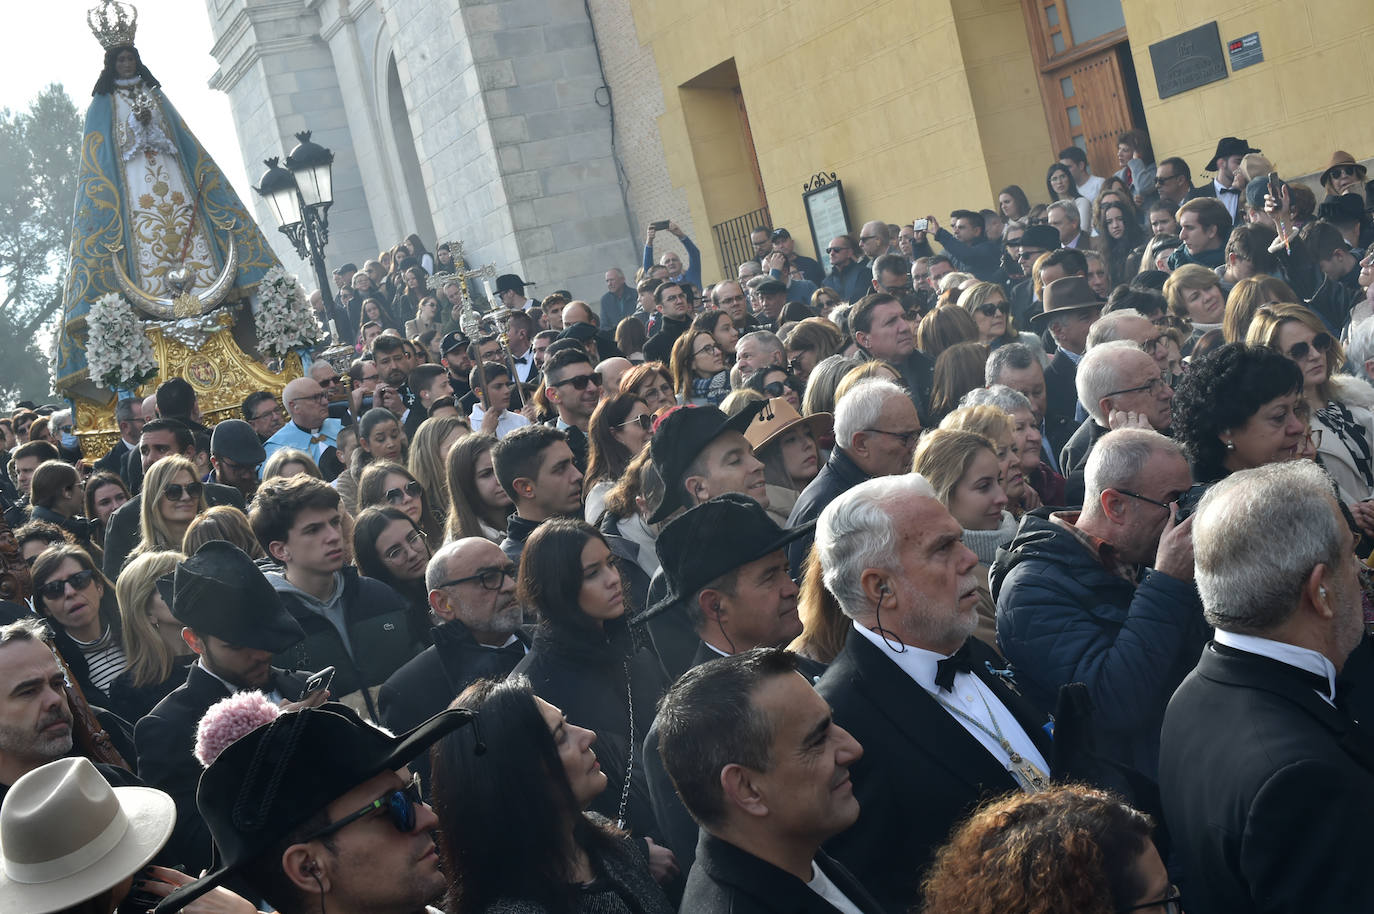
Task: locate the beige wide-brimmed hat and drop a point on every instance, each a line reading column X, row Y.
column 66, row 835
column 777, row 417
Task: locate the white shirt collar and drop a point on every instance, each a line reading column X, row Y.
column 1303, row 658
column 918, row 663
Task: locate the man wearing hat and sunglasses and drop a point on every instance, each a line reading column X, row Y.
column 725, row 565
column 1229, row 182
column 234, row 621
column 317, row 811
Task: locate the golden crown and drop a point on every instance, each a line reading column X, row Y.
column 113, row 23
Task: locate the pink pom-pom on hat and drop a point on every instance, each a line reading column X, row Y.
column 230, row 718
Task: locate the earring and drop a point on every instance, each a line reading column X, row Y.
column 1321, row 590
column 1230, row 445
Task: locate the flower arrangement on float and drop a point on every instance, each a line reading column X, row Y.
column 284, row 318
column 118, row 352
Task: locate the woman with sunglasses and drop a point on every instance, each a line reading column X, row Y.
column 619, row 429
column 172, row 497
column 1069, row 848
column 389, row 547
column 105, row 492
column 585, row 660
column 70, row 591
column 775, row 382
column 987, row 304
column 809, row 343
column 652, row 382
column 700, row 377
column 157, row 654
column 380, row 437
column 389, row 484
column 1341, row 406
column 478, row 505
column 515, row 834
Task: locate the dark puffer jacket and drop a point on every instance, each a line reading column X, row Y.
column 1063, row 617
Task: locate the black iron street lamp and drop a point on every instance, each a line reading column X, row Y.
column 300, row 196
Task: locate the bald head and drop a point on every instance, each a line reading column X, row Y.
column 577, row 313
column 611, row 372
column 491, row 616
column 150, row 407
column 304, row 403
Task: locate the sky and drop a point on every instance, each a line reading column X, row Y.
column 54, row 45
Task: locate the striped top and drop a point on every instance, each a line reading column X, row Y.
column 104, row 658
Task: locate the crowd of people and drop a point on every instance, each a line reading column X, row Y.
column 1026, row 575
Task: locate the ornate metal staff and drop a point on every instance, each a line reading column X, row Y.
column 469, row 321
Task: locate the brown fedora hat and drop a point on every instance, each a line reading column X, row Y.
column 777, row 417
column 1338, row 158
column 1072, row 293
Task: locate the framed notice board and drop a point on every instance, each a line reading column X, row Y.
column 826, row 212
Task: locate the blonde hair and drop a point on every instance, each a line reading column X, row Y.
column 154, row 534
column 1246, row 297
column 425, row 463
column 281, row 457
column 873, row 368
column 944, row 456
column 149, row 660
column 991, row 422
column 222, row 522
column 1189, row 276
column 1269, row 320
column 824, row 624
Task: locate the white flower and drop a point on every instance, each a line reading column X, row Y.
column 285, row 320
column 118, row 353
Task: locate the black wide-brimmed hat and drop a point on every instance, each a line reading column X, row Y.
column 1229, row 146
column 270, row 780
column 680, row 436
column 219, row 591
column 510, row 282
column 713, row 538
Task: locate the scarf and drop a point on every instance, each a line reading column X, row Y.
column 985, row 543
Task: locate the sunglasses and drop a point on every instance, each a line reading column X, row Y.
column 1344, row 171
column 988, row 309
column 411, row 489
column 779, row 388
column 176, row 491
column 581, row 381
column 835, row 250
column 79, row 581
column 399, row 806
column 1300, row 351
column 643, row 420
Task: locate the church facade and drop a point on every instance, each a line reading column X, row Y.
column 485, row 122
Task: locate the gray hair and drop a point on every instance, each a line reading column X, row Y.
column 56, row 419
column 765, row 338
column 855, row 531
column 1257, row 535
column 1106, row 328
column 998, row 395
column 1117, row 460
column 1069, row 208
column 860, row 407
column 1360, row 348
column 824, row 379
column 436, row 572
column 124, row 409
column 889, row 263
column 1101, row 371
column 25, row 630
column 1016, row 356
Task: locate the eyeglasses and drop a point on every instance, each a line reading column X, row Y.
column 1164, row 505
column 1160, row 179
column 1153, row 387
column 411, row 489
column 79, row 581
column 863, row 238
column 490, row 578
column 991, row 309
column 320, row 397
column 643, row 420
column 1172, row 903
column 708, row 349
column 1029, row 255
column 907, row 438
column 1313, row 438
column 1300, row 351
column 581, row 381
column 328, row 382
column 1151, row 346
column 415, row 540
column 274, row 411
column 176, row 491
column 399, row 806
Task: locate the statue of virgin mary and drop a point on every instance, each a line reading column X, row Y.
column 151, row 204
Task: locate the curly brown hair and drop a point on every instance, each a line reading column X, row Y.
column 1070, row 848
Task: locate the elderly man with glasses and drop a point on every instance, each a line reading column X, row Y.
column 311, row 429
column 478, row 633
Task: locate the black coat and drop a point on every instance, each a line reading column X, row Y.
column 113, row 462
column 729, row 880
column 425, row 686
column 166, row 738
column 839, row 475
column 1073, row 459
column 1269, row 791
column 583, row 673
column 122, row 529
column 921, row 773
column 1057, row 431
column 1061, row 390
column 132, row 702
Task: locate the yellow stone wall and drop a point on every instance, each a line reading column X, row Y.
column 919, row 106
column 1310, row 96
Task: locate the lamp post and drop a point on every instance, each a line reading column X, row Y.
column 299, row 196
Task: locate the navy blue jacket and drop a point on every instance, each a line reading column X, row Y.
column 1063, row 617
column 839, row 475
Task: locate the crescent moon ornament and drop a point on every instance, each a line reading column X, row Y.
column 184, row 304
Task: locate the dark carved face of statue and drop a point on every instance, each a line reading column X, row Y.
column 126, row 64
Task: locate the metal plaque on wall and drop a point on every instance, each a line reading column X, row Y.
column 1189, row 60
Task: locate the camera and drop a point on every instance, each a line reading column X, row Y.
column 659, row 226
column 367, row 403
column 1187, row 502
column 920, row 225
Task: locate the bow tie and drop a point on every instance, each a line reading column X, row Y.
column 316, row 439
column 958, row 662
column 522, row 360
column 1228, row 190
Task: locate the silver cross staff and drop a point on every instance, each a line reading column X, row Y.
column 468, row 320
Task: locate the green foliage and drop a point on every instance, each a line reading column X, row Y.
column 39, row 151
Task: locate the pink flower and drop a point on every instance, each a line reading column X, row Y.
column 230, row 718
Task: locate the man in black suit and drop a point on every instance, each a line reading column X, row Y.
column 1071, row 307
column 235, row 622
column 160, row 438
column 881, row 331
column 1267, row 781
column 761, row 764
column 472, row 592
column 940, row 731
column 129, row 418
